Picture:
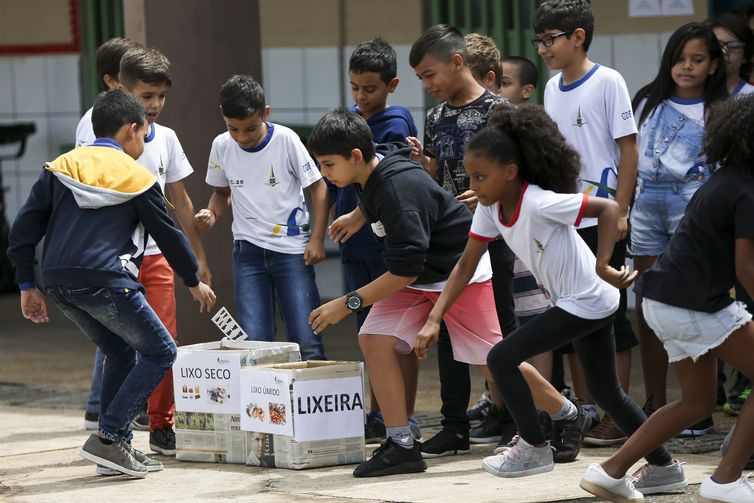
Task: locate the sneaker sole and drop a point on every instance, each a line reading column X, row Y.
column 605, row 494
column 107, row 472
column 675, row 486
column 109, row 464
column 485, row 440
column 408, row 467
column 455, row 452
column 523, row 473
column 162, row 450
column 603, row 442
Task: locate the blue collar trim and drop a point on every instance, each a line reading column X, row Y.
column 741, row 84
column 687, row 101
column 267, row 138
column 150, row 136
column 106, row 142
column 574, row 85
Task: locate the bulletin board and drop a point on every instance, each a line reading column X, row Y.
column 38, row 26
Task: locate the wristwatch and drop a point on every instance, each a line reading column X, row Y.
column 354, row 301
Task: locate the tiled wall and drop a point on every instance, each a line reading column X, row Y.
column 301, row 84
column 43, row 90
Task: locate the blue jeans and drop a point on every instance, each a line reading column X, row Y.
column 121, row 323
column 92, row 403
column 260, row 274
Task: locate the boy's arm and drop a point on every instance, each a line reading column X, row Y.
column 347, row 225
column 607, row 214
column 459, row 278
column 184, row 211
column 334, row 311
column 218, row 203
column 627, row 170
column 315, row 249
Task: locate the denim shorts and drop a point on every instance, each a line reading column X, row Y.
column 691, row 334
column 656, row 213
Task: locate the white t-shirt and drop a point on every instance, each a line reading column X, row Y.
column 742, row 89
column 543, row 237
column 591, row 114
column 693, row 108
column 482, row 273
column 163, row 156
column 266, row 185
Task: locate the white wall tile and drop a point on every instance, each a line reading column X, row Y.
column 62, row 131
column 6, row 85
column 636, row 59
column 288, row 117
column 37, row 147
column 601, row 50
column 62, row 83
column 29, row 84
column 284, row 80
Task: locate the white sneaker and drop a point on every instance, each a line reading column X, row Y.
column 502, row 448
column 602, row 485
column 739, row 491
column 521, row 460
column 653, row 479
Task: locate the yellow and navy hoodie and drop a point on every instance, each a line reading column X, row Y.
column 94, row 206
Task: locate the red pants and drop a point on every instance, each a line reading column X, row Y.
column 159, row 280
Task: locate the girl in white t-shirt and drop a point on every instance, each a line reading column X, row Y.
column 737, row 41
column 670, row 114
column 525, row 177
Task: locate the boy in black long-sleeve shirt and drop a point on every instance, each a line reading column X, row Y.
column 423, row 232
column 94, row 206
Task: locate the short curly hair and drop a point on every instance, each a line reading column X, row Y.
column 483, row 56
column 729, row 137
column 527, row 136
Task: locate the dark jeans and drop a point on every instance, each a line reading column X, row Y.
column 595, row 347
column 121, row 323
column 358, row 274
column 455, row 383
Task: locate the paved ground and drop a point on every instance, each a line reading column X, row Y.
column 44, row 376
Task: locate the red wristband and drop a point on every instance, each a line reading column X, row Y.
column 214, row 214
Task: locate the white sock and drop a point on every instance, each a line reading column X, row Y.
column 568, row 412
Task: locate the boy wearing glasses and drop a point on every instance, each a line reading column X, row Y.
column 592, row 108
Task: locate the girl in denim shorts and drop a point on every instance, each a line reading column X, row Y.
column 671, row 113
column 688, row 305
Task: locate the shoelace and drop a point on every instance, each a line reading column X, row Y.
column 513, row 454
column 746, row 482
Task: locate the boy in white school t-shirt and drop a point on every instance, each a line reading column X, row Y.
column 264, row 167
column 592, row 108
column 145, row 73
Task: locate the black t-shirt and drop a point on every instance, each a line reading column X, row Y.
column 698, row 268
column 448, row 129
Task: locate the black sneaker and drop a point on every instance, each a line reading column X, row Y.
column 699, row 429
column 445, row 443
column 391, row 459
column 374, row 429
column 648, row 408
column 490, row 430
column 140, row 422
column 545, row 422
column 568, row 435
column 163, row 441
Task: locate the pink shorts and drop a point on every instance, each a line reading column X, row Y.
column 472, row 321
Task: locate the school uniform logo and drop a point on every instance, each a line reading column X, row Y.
column 161, row 167
column 379, row 229
column 539, row 245
column 580, row 122
column 272, row 180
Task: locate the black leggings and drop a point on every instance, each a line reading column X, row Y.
column 594, row 344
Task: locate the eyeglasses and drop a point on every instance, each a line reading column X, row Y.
column 549, row 40
column 732, row 45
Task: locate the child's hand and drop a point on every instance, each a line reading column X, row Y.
column 619, row 279
column 204, row 296
column 204, row 219
column 314, row 253
column 345, row 226
column 416, row 151
column 205, row 276
column 469, row 199
column 328, row 314
column 426, row 338
column 33, row 306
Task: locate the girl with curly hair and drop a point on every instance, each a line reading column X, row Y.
column 671, row 114
column 525, row 176
column 687, row 304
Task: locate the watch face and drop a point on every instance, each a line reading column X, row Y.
column 354, row 302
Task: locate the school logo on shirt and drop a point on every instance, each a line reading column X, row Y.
column 579, row 120
column 379, row 229
column 161, row 167
column 272, row 181
column 214, row 165
column 540, row 246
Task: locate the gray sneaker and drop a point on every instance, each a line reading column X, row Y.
column 152, row 465
column 653, row 479
column 520, row 460
column 116, row 456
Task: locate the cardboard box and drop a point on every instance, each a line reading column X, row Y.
column 304, row 415
column 206, row 383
